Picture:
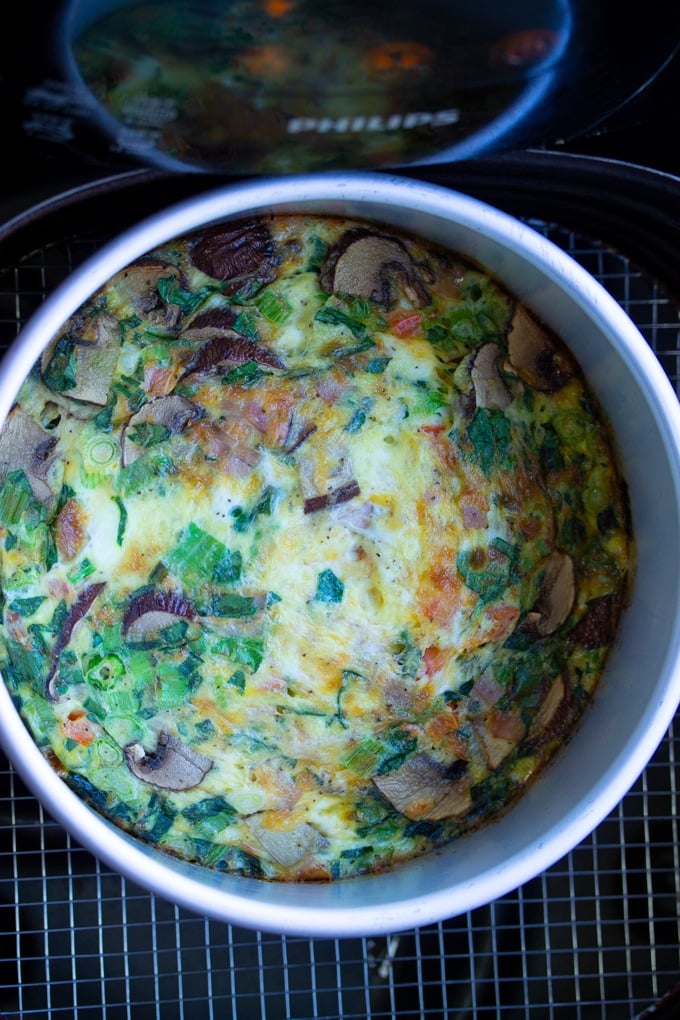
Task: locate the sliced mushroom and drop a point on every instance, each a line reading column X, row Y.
column 556, row 596
column 209, row 323
column 172, row 412
column 24, row 445
column 150, row 611
column 539, row 358
column 96, row 346
column 288, row 846
column 235, row 253
column 171, row 766
column 95, row 363
column 490, row 390
column 138, row 284
column 466, row 401
column 425, row 789
column 78, row 610
column 498, row 734
column 329, row 499
column 369, row 265
column 548, row 710
column 230, row 346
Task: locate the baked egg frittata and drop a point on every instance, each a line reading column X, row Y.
column 313, row 546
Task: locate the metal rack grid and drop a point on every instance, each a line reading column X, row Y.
column 597, row 935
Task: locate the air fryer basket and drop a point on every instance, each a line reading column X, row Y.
column 597, row 935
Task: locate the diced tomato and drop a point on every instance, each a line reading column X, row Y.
column 434, row 659
column 441, row 595
column 433, row 430
column 446, row 451
column 440, row 725
column 77, row 726
column 502, row 622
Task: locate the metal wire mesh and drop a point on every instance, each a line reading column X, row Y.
column 596, row 935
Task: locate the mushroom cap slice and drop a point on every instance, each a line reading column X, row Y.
column 547, row 712
column 490, row 390
column 539, row 358
column 222, row 345
column 556, row 596
column 211, row 322
column 288, row 846
column 235, row 253
column 25, row 445
column 150, row 611
column 368, row 266
column 78, row 610
column 422, row 788
column 95, row 363
column 171, row 766
column 138, row 283
column 96, row 346
column 172, row 411
column 495, row 747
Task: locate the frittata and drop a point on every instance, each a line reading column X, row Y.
column 313, row 546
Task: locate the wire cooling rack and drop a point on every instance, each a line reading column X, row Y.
column 597, row 935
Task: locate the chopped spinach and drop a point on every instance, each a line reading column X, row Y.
column 147, row 433
column 243, row 518
column 145, row 472
column 247, row 651
column 245, row 375
column 27, row 606
column 157, row 819
column 238, row 680
column 488, row 572
column 334, row 316
column 173, row 293
column 550, row 450
column 207, row 807
column 487, row 440
column 199, row 559
column 60, row 373
column 122, row 519
column 230, row 604
column 356, row 421
column 329, row 587
column 376, row 366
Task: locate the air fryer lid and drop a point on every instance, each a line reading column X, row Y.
column 271, row 86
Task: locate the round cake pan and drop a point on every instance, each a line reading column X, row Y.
column 639, row 691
